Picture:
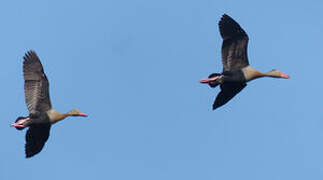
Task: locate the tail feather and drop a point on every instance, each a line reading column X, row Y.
column 213, row 84
column 19, row 118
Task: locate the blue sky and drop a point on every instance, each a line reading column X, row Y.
column 134, row 66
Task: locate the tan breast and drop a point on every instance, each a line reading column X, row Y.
column 250, row 73
column 54, row 116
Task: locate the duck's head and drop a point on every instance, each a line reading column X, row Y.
column 278, row 74
column 76, row 112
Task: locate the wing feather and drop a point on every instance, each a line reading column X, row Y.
column 234, row 46
column 36, row 84
column 228, row 91
column 36, row 137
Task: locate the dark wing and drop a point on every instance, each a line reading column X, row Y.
column 228, row 91
column 36, row 137
column 36, row 84
column 234, row 46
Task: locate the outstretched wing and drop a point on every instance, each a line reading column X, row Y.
column 36, row 138
column 228, row 91
column 234, row 46
column 36, row 84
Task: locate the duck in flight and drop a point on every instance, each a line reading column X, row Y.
column 41, row 114
column 236, row 69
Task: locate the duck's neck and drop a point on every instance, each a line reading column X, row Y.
column 250, row 73
column 55, row 116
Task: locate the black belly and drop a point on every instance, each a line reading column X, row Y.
column 233, row 77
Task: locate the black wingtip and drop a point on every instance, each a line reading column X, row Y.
column 28, row 156
column 229, row 28
column 225, row 17
column 214, row 107
column 31, row 51
column 29, row 54
column 31, row 154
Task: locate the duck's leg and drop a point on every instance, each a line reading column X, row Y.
column 207, row 80
column 20, row 123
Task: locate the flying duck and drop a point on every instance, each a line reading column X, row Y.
column 41, row 114
column 236, row 69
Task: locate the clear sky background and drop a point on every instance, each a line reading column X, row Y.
column 134, row 66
